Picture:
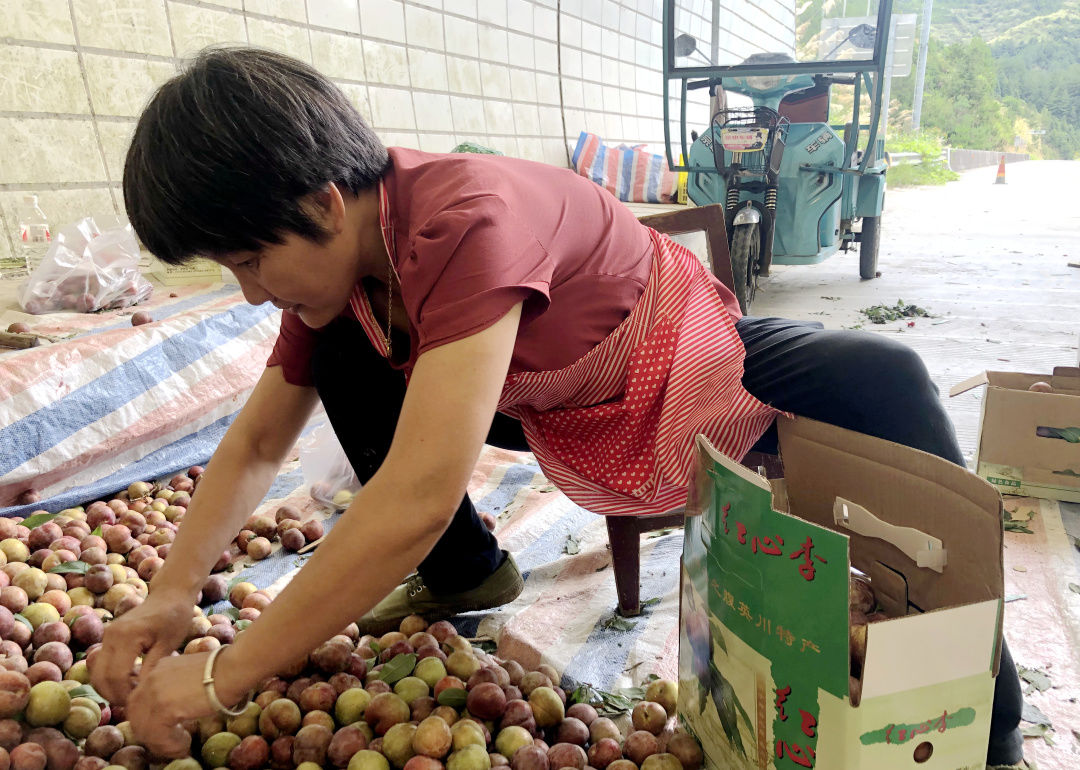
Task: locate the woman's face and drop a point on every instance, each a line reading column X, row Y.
column 312, row 279
column 299, row 276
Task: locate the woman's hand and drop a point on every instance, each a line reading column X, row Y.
column 152, row 631
column 172, row 692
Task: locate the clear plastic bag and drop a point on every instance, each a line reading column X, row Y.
column 87, row 269
column 326, row 469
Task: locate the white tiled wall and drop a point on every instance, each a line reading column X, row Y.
column 522, row 76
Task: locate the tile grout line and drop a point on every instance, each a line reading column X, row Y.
column 90, row 102
column 508, row 27
column 562, row 99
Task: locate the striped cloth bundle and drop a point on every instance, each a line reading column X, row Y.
column 629, row 173
column 82, row 418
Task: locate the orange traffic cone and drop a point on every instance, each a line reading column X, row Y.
column 1001, row 172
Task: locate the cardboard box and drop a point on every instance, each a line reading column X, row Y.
column 1029, row 442
column 199, row 270
column 764, row 661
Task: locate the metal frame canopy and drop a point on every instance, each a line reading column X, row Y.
column 695, row 77
column 874, row 62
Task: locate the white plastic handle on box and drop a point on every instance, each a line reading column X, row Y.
column 923, row 549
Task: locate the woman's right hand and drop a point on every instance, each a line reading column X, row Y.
column 152, row 631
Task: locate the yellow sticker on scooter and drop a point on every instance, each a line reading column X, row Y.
column 744, row 139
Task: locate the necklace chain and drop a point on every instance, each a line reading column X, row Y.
column 389, row 304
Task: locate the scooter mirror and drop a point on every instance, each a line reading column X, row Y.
column 685, row 45
column 863, row 36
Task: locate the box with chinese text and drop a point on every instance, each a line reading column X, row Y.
column 765, row 666
column 1029, row 440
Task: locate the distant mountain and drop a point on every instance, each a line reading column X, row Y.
column 960, row 20
column 1035, row 47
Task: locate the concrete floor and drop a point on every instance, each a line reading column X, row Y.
column 991, row 263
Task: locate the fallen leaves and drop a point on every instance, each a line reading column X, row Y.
column 1036, row 679
column 881, row 314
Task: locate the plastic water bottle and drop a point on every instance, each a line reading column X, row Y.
column 34, row 234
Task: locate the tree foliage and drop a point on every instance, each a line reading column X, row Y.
column 960, row 99
column 996, row 70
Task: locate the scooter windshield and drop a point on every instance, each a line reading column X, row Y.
column 724, row 33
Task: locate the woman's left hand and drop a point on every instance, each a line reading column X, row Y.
column 172, row 692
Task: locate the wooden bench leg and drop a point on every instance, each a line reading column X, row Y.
column 625, row 542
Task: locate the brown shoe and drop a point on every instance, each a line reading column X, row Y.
column 413, row 597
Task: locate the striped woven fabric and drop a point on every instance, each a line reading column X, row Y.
column 115, row 403
column 630, row 173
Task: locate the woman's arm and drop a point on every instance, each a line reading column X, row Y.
column 391, row 525
column 240, row 472
column 398, row 516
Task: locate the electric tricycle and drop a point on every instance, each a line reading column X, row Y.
column 794, row 184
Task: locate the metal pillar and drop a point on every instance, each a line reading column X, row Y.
column 920, row 76
column 887, row 85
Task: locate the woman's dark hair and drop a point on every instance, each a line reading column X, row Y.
column 226, row 152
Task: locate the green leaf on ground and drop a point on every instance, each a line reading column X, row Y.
column 454, row 697
column 880, row 314
column 1039, row 731
column 618, row 623
column 1074, row 588
column 76, row 567
column 1017, row 526
column 399, row 667
column 584, row 693
column 38, row 519
column 607, row 704
column 1031, row 713
column 88, row 691
column 572, row 545
column 1036, row 678
column 650, row 602
column 661, row 532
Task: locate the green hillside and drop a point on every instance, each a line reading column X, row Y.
column 997, row 71
column 961, row 20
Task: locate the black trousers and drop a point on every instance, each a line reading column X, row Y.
column 863, row 382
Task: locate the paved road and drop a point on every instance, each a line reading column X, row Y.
column 991, row 261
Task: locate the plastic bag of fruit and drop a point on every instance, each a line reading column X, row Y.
column 326, row 469
column 87, row 268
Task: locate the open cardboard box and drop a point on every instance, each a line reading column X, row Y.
column 1029, row 442
column 764, row 658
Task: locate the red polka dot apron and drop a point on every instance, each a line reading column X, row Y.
column 615, row 429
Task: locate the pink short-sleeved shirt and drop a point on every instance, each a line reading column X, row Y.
column 476, row 234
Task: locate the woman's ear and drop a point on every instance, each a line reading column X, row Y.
column 328, row 208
